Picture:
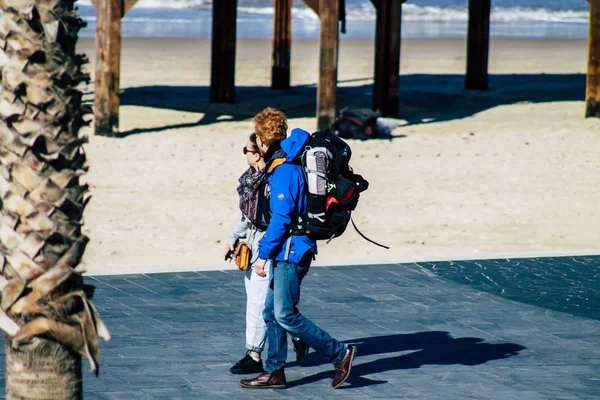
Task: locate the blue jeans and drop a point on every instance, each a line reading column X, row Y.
column 281, row 315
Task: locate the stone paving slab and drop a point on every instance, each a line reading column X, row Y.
column 482, row 329
column 568, row 284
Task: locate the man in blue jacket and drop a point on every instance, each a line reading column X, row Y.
column 291, row 255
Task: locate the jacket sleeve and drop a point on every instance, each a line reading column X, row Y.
column 285, row 187
column 239, row 230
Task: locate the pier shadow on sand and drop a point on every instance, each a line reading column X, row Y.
column 424, row 98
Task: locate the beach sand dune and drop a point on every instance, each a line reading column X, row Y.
column 513, row 169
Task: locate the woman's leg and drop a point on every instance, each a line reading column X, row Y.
column 256, row 293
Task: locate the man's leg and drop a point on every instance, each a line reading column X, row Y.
column 286, row 295
column 286, row 298
column 274, row 375
column 276, row 335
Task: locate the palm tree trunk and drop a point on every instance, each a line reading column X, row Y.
column 45, row 370
column 44, row 308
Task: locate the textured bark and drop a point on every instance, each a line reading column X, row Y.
column 44, row 370
column 42, row 199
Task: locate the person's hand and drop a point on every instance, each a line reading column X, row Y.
column 228, row 252
column 259, row 267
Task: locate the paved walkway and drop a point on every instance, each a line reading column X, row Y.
column 522, row 329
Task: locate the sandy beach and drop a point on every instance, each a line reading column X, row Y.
column 513, row 169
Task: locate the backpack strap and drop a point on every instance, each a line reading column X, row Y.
column 366, row 238
column 275, row 163
column 250, row 234
column 287, row 248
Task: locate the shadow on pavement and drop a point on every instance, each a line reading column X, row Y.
column 429, row 348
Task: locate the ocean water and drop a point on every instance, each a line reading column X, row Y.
column 543, row 19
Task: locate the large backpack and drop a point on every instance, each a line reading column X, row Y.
column 332, row 187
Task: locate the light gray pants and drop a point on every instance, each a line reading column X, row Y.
column 256, row 294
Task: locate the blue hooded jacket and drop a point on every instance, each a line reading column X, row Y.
column 287, row 200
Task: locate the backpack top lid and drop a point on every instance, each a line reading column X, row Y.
column 339, row 149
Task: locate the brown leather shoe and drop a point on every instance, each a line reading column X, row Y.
column 343, row 367
column 266, row 380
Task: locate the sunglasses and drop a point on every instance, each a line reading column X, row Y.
column 245, row 150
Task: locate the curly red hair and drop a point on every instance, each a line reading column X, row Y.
column 270, row 125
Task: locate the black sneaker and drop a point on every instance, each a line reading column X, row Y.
column 247, row 365
column 301, row 349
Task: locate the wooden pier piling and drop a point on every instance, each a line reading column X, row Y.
column 328, row 60
column 282, row 44
column 108, row 61
column 592, row 92
column 478, row 44
column 222, row 67
column 386, row 87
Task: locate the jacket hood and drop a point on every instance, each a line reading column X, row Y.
column 293, row 145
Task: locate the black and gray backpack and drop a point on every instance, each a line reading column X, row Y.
column 333, row 189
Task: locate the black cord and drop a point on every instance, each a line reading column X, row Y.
column 366, row 238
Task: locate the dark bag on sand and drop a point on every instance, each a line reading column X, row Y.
column 357, row 123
